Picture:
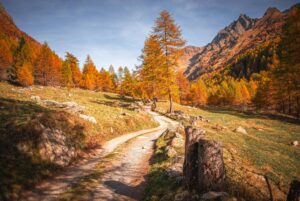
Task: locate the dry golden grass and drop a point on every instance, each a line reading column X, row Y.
column 265, row 152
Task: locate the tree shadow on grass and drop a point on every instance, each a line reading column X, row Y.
column 120, row 98
column 251, row 114
column 21, row 165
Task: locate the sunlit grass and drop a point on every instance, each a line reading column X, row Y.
column 265, row 150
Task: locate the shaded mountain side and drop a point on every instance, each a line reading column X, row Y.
column 10, row 36
column 235, row 39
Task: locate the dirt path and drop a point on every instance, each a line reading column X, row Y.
column 122, row 179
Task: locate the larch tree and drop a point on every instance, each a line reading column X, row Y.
column 113, row 77
column 171, row 41
column 67, row 75
column 47, row 69
column 286, row 79
column 21, row 70
column 74, row 65
column 127, row 84
column 199, row 93
column 89, row 75
column 152, row 68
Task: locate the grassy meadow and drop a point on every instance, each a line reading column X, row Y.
column 253, row 160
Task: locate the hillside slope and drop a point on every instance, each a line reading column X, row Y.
column 10, row 36
column 241, row 35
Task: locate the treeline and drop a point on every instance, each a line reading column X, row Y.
column 44, row 67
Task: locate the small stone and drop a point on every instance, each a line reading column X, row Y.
column 241, row 130
column 36, row 98
column 88, row 118
column 171, row 152
column 295, row 143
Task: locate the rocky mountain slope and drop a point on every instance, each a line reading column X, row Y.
column 241, row 35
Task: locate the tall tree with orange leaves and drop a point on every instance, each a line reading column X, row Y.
column 89, row 75
column 171, row 41
column 21, row 70
column 47, row 67
column 74, row 65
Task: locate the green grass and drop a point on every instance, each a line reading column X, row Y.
column 265, row 152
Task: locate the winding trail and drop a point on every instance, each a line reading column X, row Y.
column 122, row 179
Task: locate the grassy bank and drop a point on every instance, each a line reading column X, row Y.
column 264, row 154
column 21, row 119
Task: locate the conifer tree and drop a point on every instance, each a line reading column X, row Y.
column 48, row 67
column 127, row 84
column 286, row 79
column 74, row 65
column 151, row 72
column 169, row 36
column 199, row 93
column 67, row 75
column 21, row 70
column 89, row 75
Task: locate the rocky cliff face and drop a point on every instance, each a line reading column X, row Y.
column 242, row 34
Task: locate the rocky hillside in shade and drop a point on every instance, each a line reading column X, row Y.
column 241, row 35
column 10, row 36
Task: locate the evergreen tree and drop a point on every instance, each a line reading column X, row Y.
column 169, row 36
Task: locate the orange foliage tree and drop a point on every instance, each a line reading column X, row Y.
column 89, row 75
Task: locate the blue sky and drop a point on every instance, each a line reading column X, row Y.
column 113, row 31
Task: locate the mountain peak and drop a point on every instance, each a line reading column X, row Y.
column 271, row 11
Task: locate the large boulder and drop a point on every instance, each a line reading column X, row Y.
column 190, row 167
column 203, row 168
column 211, row 169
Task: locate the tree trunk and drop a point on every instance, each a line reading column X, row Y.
column 171, row 102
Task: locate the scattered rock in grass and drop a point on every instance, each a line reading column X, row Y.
column 111, row 129
column 217, row 196
column 170, row 152
column 241, row 130
column 52, row 103
column 73, row 107
column 123, row 113
column 295, row 143
column 218, row 127
column 69, row 106
column 177, row 140
column 36, row 99
column 88, row 118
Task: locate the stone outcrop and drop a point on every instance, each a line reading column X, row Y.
column 204, row 168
